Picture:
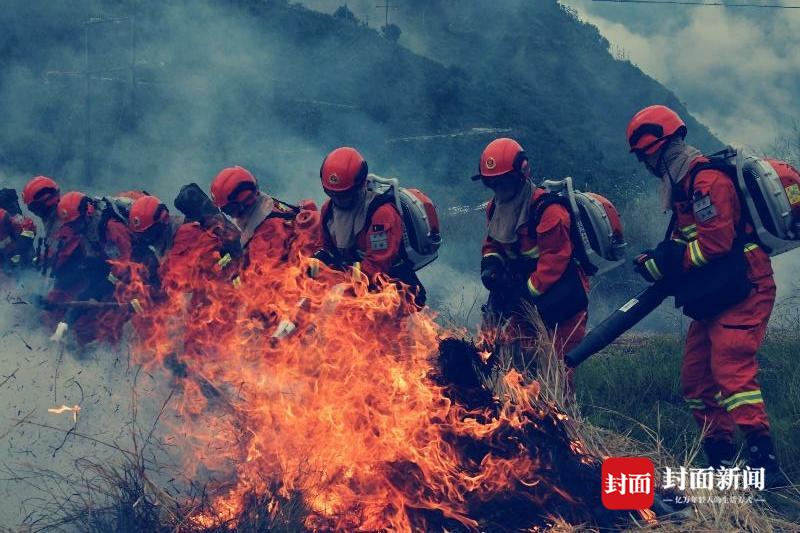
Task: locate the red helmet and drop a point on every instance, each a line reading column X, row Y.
column 40, row 189
column 233, row 184
column 145, row 212
column 73, row 205
column 649, row 129
column 790, row 179
column 343, row 169
column 500, row 157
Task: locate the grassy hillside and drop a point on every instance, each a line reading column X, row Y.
column 634, row 388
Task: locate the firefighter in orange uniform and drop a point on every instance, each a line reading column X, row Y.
column 711, row 236
column 268, row 230
column 91, row 239
column 528, row 255
column 166, row 243
column 362, row 230
column 41, row 195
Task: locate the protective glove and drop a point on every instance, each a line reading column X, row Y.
column 493, row 273
column 328, row 258
column 665, row 262
column 323, row 257
column 61, row 330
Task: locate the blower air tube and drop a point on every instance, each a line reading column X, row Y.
column 618, row 323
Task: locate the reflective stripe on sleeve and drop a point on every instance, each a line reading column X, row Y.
column 532, row 288
column 696, row 254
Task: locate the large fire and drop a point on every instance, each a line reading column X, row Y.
column 321, row 387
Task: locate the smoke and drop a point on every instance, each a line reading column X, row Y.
column 37, row 374
column 742, row 83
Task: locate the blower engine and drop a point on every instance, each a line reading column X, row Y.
column 769, row 191
column 421, row 237
column 598, row 223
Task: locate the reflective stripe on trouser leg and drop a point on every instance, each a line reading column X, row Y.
column 736, row 335
column 742, row 398
column 699, row 388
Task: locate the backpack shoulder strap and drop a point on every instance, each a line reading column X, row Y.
column 378, row 202
column 490, row 207
column 673, row 221
column 289, row 211
column 543, row 202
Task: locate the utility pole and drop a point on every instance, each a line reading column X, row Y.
column 132, row 18
column 387, row 6
column 87, row 140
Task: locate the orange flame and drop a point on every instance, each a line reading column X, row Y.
column 75, row 409
column 340, row 406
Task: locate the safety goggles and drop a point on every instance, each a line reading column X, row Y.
column 344, row 199
column 496, row 181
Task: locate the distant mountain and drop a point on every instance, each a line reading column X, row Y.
column 177, row 90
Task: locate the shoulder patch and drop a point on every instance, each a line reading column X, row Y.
column 793, row 193
column 704, row 209
column 379, row 241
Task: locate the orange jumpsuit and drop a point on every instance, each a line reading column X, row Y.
column 719, row 368
column 77, row 264
column 378, row 248
column 378, row 244
column 546, row 254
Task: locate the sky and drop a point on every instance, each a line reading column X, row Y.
column 737, row 69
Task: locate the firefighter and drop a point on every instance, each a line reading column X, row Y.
column 153, row 232
column 528, row 255
column 41, row 195
column 713, row 253
column 267, row 225
column 93, row 254
column 360, row 229
column 161, row 240
column 16, row 241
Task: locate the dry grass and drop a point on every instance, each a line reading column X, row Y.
column 541, row 364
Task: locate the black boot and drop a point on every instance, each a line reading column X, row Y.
column 721, row 453
column 761, row 454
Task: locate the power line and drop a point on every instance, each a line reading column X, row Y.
column 699, row 3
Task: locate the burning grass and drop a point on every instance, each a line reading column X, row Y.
column 564, row 497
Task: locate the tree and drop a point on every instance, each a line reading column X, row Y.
column 787, row 146
column 343, row 13
column 391, row 32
